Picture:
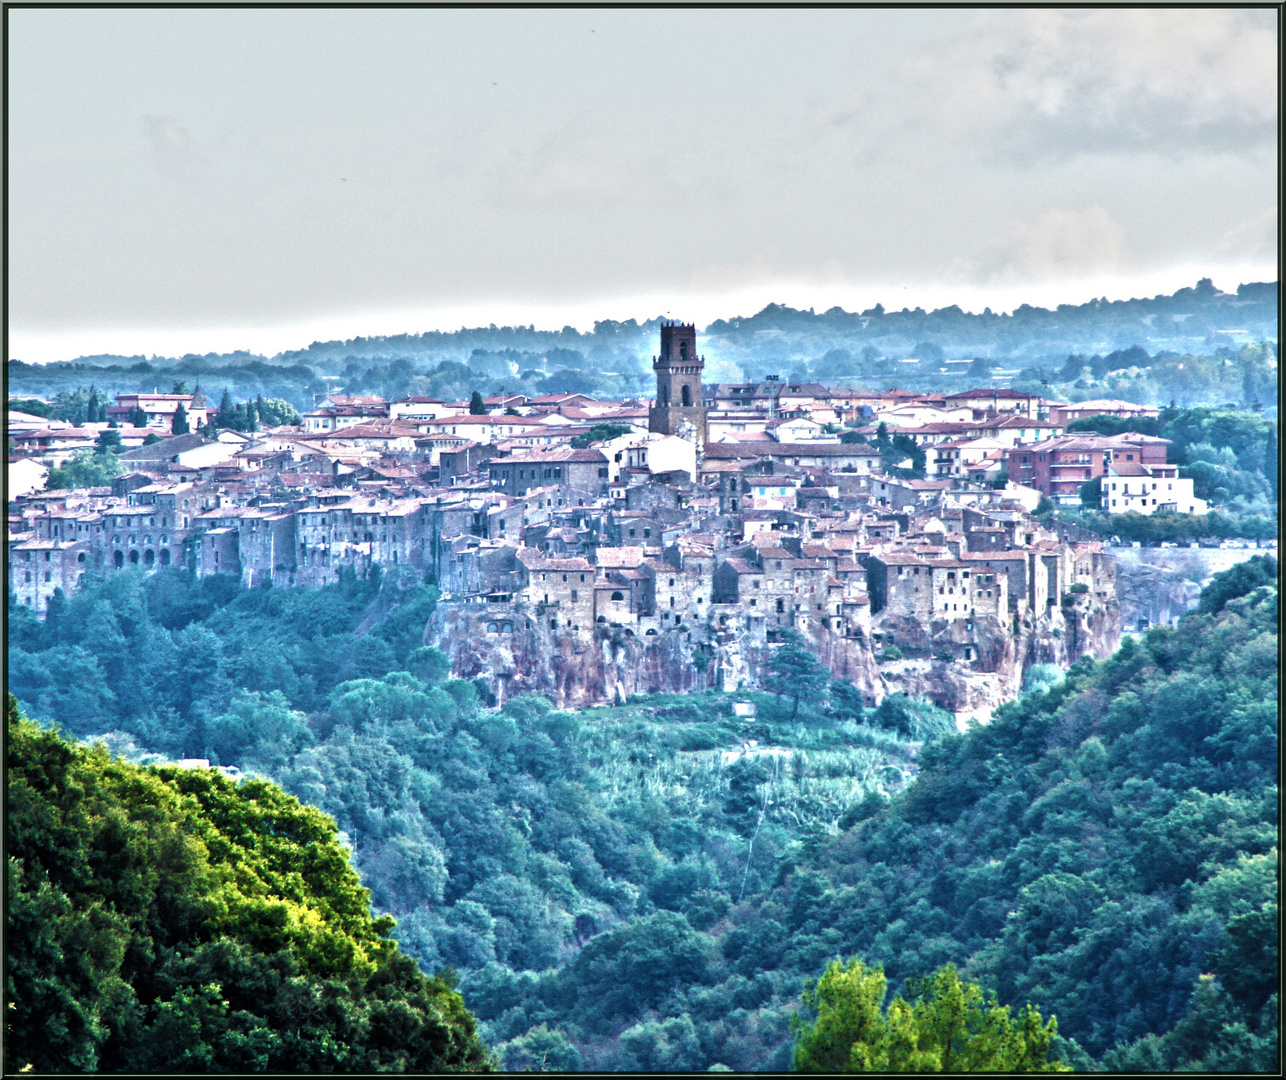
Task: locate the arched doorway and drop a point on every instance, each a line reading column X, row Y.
column 119, row 559
column 165, row 556
column 149, row 558
column 133, row 558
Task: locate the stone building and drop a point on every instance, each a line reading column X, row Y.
column 38, row 567
column 558, row 590
column 679, row 408
column 585, row 470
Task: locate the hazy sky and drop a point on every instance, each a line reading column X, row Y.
column 188, row 180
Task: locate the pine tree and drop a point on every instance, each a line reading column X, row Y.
column 477, row 407
column 795, row 671
column 224, row 416
column 180, row 425
column 948, row 1026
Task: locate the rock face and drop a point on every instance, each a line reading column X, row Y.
column 609, row 663
column 967, row 666
column 1158, row 586
column 1082, row 625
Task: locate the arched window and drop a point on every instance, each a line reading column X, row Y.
column 618, row 595
column 80, row 557
column 119, row 559
column 165, row 556
column 687, row 396
column 133, row 558
column 149, row 558
column 507, row 628
column 492, row 628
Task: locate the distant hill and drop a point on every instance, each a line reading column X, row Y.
column 948, row 345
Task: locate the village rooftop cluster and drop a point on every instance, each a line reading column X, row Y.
column 733, row 508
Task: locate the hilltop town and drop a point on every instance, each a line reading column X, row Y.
column 589, row 550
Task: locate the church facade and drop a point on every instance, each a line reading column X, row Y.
column 678, row 409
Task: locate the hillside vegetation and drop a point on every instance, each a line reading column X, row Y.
column 171, row 920
column 651, row 886
column 1072, row 352
column 1104, row 850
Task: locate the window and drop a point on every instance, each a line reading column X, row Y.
column 618, row 595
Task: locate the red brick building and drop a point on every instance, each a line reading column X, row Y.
column 1058, row 467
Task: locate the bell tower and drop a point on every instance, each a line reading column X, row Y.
column 679, row 409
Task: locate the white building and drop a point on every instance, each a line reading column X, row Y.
column 1128, row 487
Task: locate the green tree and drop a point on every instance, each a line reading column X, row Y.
column 163, row 919
column 846, row 699
column 540, row 1050
column 948, row 1026
column 795, row 672
column 477, row 407
column 601, row 433
column 1237, row 581
column 108, row 441
column 85, row 469
column 275, row 412
column 179, row 426
column 180, row 387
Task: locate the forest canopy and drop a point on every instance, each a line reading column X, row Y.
column 163, row 919
column 639, row 887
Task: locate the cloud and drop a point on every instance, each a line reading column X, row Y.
column 582, row 163
column 732, row 276
column 1047, row 85
column 1059, row 245
column 1253, row 239
column 173, row 148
